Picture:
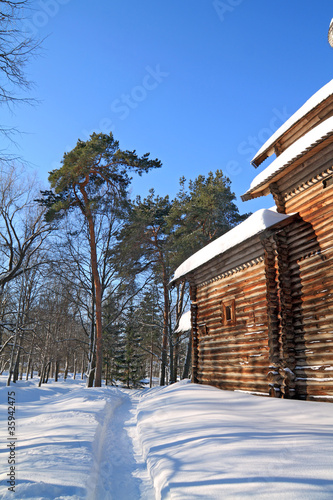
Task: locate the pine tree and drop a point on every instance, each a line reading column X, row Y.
column 134, row 368
column 200, row 213
column 150, row 322
column 146, row 238
column 90, row 171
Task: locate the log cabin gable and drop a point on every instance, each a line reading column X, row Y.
column 316, row 110
column 306, row 159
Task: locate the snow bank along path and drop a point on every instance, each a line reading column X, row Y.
column 204, row 443
column 72, row 443
column 181, row 442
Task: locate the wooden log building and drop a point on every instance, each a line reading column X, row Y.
column 262, row 294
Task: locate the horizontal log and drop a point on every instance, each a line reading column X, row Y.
column 306, row 176
column 254, row 376
column 311, row 374
column 235, row 386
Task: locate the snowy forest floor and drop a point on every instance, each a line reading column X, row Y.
column 179, row 442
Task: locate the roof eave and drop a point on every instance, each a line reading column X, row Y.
column 263, row 188
column 262, row 154
column 189, row 276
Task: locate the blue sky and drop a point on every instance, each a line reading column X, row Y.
column 200, row 84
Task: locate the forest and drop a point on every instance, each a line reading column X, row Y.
column 56, row 272
column 84, row 268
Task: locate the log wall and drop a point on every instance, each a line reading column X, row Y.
column 310, row 243
column 232, row 346
column 262, row 314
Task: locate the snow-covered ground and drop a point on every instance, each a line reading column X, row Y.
column 184, row 441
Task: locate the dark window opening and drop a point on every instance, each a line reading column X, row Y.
column 203, row 330
column 327, row 182
column 228, row 312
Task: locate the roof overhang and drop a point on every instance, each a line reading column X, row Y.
column 292, row 157
column 302, row 114
column 254, row 225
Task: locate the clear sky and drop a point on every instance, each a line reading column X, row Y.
column 200, row 84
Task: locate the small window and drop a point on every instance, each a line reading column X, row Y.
column 203, row 330
column 328, row 182
column 228, row 312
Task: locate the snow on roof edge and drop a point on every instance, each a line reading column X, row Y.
column 308, row 106
column 184, row 323
column 255, row 224
column 298, row 148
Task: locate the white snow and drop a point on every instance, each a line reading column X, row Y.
column 256, row 223
column 184, row 323
column 310, row 104
column 182, row 442
column 297, row 149
column 73, row 443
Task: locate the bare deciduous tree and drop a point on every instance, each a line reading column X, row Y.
column 22, row 225
column 16, row 50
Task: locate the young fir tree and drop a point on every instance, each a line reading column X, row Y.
column 90, row 170
column 134, row 367
column 150, row 323
column 114, row 353
column 128, row 357
column 145, row 238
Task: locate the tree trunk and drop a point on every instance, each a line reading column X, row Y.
column 107, row 370
column 98, row 289
column 47, row 372
column 30, row 355
column 91, row 354
column 82, row 367
column 11, row 362
column 22, row 367
column 66, row 368
column 171, row 351
column 17, row 365
column 151, row 362
column 176, row 359
column 165, row 327
column 187, row 364
column 28, row 369
column 42, row 373
column 179, row 312
column 16, row 342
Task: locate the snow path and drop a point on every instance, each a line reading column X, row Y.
column 73, row 443
column 180, row 442
column 119, row 471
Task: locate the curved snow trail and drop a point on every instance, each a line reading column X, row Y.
column 119, row 470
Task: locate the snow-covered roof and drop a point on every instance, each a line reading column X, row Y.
column 184, row 323
column 296, row 150
column 256, row 223
column 310, row 104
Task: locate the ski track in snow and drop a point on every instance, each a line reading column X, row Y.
column 119, row 470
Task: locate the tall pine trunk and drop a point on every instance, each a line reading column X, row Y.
column 165, row 327
column 91, row 352
column 98, row 289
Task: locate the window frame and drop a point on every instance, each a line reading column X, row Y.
column 228, row 319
